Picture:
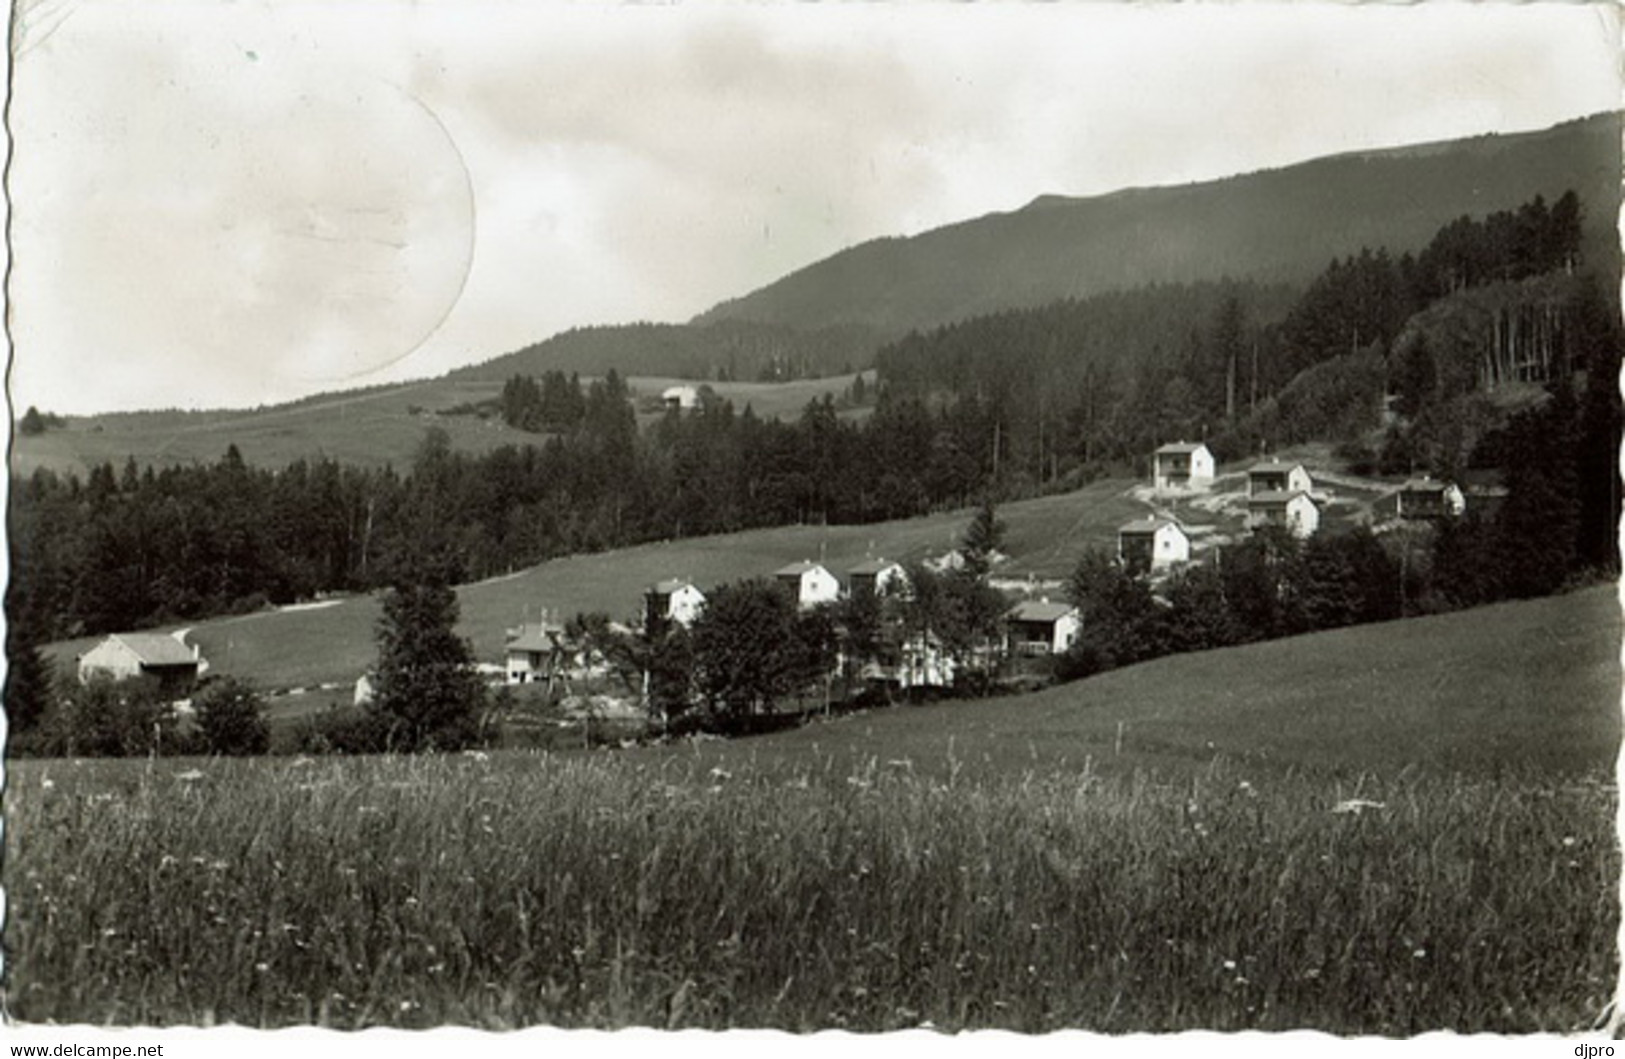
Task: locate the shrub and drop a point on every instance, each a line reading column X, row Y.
column 107, row 718
column 231, row 719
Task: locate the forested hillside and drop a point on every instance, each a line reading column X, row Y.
column 1506, row 298
column 729, row 350
column 1280, row 226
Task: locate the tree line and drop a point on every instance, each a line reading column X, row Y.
column 1080, row 387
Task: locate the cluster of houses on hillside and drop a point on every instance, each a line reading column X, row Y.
column 538, row 652
column 1279, row 493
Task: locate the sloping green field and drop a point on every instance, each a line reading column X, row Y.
column 301, row 647
column 333, row 642
column 370, row 427
column 1517, row 688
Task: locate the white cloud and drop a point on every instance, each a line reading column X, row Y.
column 220, row 203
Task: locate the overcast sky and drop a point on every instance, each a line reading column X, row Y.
column 230, row 203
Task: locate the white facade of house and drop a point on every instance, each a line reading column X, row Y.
column 1295, row 512
column 1274, row 476
column 1153, row 543
column 1427, row 498
column 811, row 583
column 880, row 576
column 533, row 652
column 675, row 601
column 1182, row 466
column 683, row 397
column 922, row 663
column 1037, row 627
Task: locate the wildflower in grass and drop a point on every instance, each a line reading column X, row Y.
column 1568, row 840
column 1230, row 965
column 1419, row 954
column 46, row 783
column 262, row 967
column 190, row 775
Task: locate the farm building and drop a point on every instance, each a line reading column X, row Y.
column 535, row 652
column 677, row 601
column 125, row 655
column 809, row 582
column 876, row 575
column 1274, row 476
column 1295, row 512
column 680, row 397
column 1039, row 627
column 1152, row 543
column 1423, row 498
column 922, row 662
column 1181, row 466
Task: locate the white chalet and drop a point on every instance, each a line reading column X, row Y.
column 1295, row 512
column 682, row 397
column 535, row 652
column 1152, row 543
column 674, row 601
column 1039, row 627
column 1181, row 466
column 811, row 583
column 1275, row 476
column 877, row 576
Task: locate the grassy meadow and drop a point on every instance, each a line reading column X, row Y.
column 305, row 646
column 333, row 641
column 1417, row 834
column 378, row 425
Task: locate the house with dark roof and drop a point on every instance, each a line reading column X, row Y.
column 1039, row 627
column 1296, row 512
column 672, row 601
column 877, row 576
column 1181, row 466
column 809, row 582
column 535, row 652
column 125, row 655
column 1151, row 543
column 1423, row 498
column 1276, row 476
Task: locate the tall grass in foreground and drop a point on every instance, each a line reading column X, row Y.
column 609, row 891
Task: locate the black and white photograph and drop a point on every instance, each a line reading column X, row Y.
column 897, row 518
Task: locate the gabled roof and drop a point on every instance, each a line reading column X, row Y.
column 1424, row 485
column 1178, row 448
column 156, row 649
column 543, row 637
column 1039, row 610
column 1148, row 525
column 1277, row 497
column 1273, row 466
column 797, row 569
column 873, row 566
column 669, row 587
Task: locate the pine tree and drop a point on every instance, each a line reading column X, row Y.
column 983, row 539
column 427, row 695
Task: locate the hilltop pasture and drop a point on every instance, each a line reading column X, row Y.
column 369, row 427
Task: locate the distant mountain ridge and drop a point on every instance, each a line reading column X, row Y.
column 1274, row 226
